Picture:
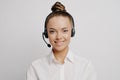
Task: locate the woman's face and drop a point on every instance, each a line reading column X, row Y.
column 59, row 32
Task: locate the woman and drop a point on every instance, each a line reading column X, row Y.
column 61, row 63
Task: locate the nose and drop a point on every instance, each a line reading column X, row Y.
column 59, row 35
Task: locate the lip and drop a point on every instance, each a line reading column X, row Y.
column 59, row 43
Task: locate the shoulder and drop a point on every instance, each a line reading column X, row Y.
column 38, row 66
column 83, row 63
column 80, row 60
column 41, row 61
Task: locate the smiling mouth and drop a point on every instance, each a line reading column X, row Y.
column 59, row 43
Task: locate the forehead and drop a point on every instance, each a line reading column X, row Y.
column 59, row 22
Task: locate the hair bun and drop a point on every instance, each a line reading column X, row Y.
column 58, row 7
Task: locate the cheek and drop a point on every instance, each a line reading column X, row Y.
column 67, row 36
column 51, row 38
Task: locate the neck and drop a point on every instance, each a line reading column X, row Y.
column 60, row 55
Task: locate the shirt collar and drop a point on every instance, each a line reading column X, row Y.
column 69, row 57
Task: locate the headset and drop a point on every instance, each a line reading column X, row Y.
column 46, row 34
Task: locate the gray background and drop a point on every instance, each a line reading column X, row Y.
column 97, row 35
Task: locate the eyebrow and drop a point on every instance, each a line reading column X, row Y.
column 51, row 29
column 62, row 28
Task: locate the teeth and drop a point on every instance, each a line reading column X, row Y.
column 59, row 42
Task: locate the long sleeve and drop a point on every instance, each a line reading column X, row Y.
column 31, row 74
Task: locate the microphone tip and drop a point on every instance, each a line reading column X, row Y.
column 49, row 45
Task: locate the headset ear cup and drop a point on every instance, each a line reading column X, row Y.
column 45, row 33
column 73, row 29
column 73, row 32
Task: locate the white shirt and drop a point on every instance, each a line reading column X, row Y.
column 74, row 68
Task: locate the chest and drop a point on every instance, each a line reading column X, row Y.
column 56, row 72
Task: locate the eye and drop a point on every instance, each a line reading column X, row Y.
column 51, row 31
column 65, row 30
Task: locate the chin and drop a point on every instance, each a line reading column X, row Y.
column 60, row 48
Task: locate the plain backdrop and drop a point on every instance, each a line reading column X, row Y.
column 97, row 24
